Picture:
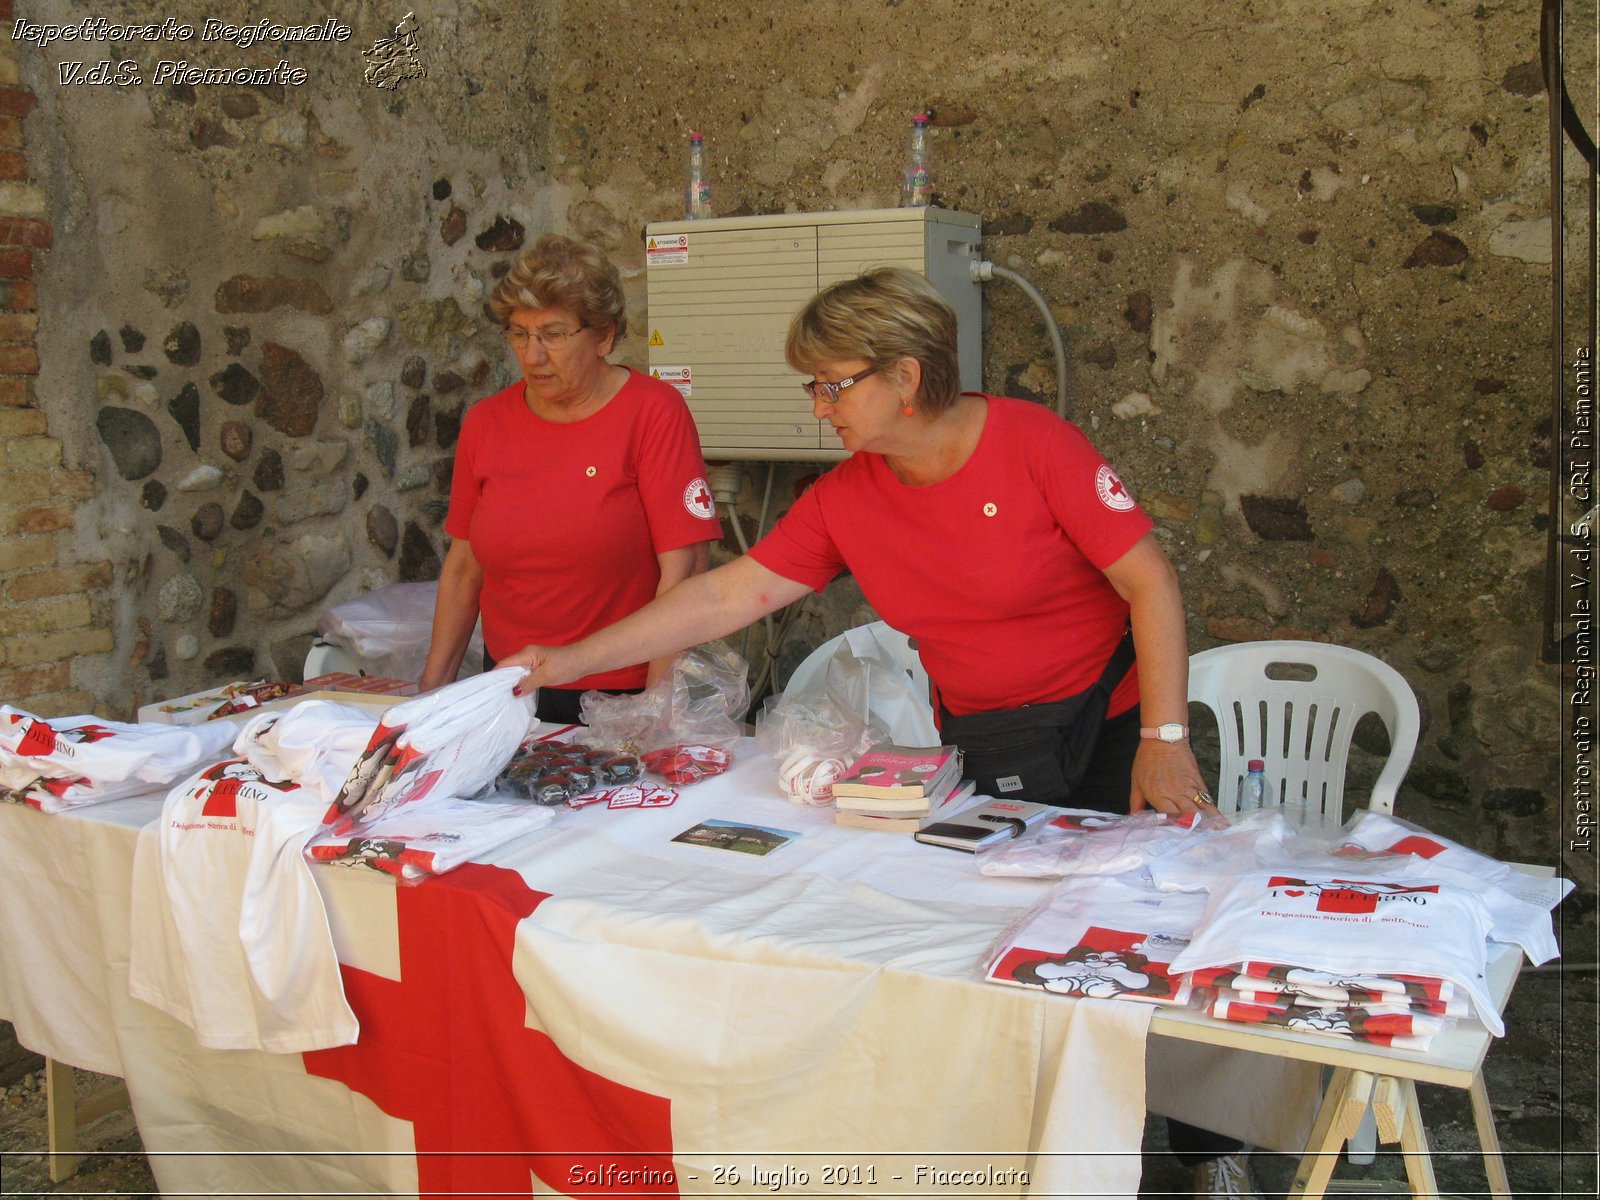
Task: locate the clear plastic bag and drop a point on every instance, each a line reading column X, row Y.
column 814, row 738
column 1084, row 842
column 389, row 631
column 700, row 702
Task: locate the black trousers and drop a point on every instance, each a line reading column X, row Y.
column 559, row 706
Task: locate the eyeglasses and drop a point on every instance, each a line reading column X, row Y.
column 819, row 389
column 550, row 339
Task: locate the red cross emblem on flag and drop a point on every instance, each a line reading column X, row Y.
column 492, row 1102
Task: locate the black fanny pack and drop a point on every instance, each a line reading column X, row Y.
column 1038, row 752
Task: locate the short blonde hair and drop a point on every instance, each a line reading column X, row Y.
column 882, row 316
column 562, row 272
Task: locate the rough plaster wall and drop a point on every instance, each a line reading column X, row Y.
column 1296, row 250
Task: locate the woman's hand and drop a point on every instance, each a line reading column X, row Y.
column 1165, row 774
column 546, row 666
column 1167, row 779
column 699, row 608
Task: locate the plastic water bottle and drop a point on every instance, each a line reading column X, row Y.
column 697, row 189
column 1257, row 791
column 916, row 184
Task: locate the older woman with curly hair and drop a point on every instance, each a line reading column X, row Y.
column 579, row 492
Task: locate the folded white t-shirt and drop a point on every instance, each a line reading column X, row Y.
column 228, row 930
column 99, row 759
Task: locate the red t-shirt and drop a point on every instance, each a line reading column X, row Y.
column 997, row 572
column 567, row 520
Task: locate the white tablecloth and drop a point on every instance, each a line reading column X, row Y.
column 604, row 1010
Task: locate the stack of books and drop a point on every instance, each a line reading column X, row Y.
column 897, row 789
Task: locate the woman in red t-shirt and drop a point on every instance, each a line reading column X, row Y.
column 992, row 532
column 578, row 494
column 988, row 529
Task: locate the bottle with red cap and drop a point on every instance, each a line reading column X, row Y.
column 1257, row 791
column 697, row 189
column 916, row 183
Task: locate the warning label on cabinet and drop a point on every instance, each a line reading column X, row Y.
column 666, row 250
column 679, row 377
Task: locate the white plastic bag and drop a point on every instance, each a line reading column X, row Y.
column 390, row 629
column 1083, row 842
column 429, row 839
column 452, row 741
column 864, row 675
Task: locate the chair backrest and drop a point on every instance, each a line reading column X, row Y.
column 911, row 729
column 1295, row 705
column 325, row 658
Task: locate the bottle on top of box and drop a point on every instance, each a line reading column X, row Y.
column 697, row 186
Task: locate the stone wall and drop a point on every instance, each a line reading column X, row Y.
column 53, row 604
column 1299, row 252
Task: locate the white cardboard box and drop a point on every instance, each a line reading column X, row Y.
column 198, row 706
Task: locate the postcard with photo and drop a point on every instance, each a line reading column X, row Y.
column 736, row 836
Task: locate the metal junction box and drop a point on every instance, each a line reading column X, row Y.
column 722, row 293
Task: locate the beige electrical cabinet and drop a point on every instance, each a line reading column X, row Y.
column 722, row 293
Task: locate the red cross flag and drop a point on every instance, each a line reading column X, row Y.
column 447, row 1047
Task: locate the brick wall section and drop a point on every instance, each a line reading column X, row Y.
column 51, row 611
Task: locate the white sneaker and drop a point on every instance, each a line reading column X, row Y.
column 1227, row 1176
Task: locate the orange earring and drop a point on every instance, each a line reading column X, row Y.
column 909, row 411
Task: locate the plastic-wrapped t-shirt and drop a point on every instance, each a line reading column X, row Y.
column 67, row 761
column 1085, row 842
column 450, row 742
column 314, row 744
column 1267, row 983
column 1456, row 1006
column 1402, row 1030
column 1099, row 938
column 1349, row 924
column 1384, row 833
column 422, row 840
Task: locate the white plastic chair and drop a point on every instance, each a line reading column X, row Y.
column 326, row 658
column 910, row 729
column 1294, row 705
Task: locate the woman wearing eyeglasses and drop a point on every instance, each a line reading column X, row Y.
column 993, row 533
column 987, row 529
column 579, row 493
